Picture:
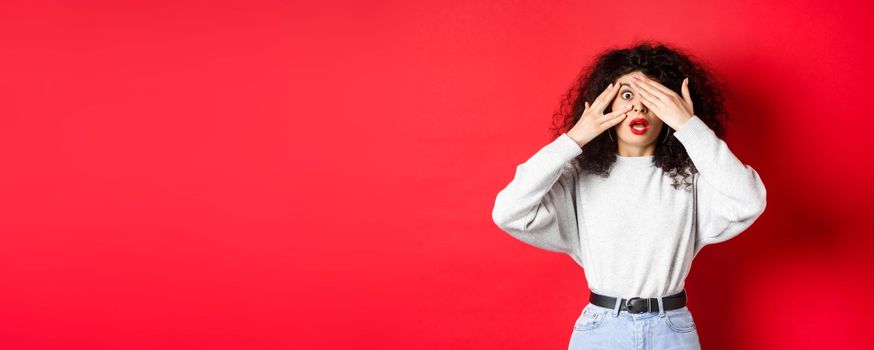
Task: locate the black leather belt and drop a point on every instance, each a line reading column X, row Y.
column 640, row 305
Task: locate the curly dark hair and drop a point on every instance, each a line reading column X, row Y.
column 669, row 66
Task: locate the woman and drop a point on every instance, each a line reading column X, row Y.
column 636, row 182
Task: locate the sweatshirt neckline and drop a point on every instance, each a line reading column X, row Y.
column 638, row 161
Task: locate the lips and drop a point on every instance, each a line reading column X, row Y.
column 641, row 126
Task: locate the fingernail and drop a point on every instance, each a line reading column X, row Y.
column 611, row 85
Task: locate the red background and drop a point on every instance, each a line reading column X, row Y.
column 273, row 174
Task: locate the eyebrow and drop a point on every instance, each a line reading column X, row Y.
column 624, row 84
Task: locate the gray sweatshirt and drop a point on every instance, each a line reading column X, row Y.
column 633, row 233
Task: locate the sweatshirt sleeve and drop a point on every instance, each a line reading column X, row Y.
column 538, row 206
column 729, row 196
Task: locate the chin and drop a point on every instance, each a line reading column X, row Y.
column 644, row 139
column 637, row 140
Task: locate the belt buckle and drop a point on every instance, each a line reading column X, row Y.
column 644, row 307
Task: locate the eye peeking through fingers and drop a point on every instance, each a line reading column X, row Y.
column 627, row 95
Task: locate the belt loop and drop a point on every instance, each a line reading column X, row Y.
column 616, row 307
column 661, row 307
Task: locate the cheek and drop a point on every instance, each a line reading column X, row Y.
column 660, row 128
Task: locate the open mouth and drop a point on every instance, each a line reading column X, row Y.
column 638, row 126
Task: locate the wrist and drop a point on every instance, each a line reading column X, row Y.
column 579, row 140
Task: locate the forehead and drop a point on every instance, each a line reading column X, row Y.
column 629, row 76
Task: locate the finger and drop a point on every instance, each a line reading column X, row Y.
column 654, row 93
column 617, row 112
column 613, row 118
column 604, row 92
column 685, row 90
column 646, row 95
column 650, row 104
column 657, row 86
column 609, row 94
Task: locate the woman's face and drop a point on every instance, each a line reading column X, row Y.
column 641, row 127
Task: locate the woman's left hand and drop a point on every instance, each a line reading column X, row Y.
column 665, row 103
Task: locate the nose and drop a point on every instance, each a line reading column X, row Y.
column 639, row 107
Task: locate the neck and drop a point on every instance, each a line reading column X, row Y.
column 627, row 150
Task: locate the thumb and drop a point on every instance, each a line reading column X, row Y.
column 685, row 90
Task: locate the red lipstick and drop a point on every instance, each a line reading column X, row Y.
column 642, row 126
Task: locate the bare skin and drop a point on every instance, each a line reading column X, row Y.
column 633, row 95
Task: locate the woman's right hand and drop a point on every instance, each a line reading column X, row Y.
column 593, row 121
